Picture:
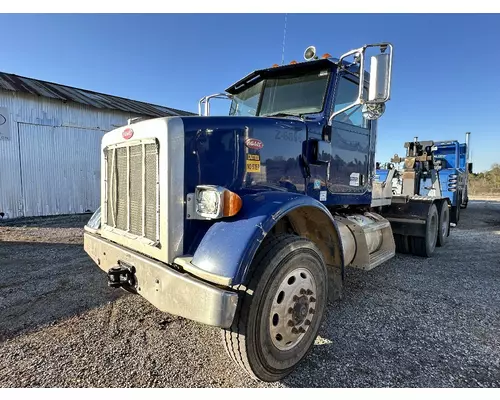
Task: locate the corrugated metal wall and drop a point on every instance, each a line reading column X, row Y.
column 49, row 161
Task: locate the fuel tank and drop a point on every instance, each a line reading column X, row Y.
column 367, row 240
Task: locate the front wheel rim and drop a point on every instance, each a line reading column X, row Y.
column 293, row 309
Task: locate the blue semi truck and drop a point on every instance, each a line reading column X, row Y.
column 249, row 221
column 452, row 165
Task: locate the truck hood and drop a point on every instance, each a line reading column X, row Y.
column 244, row 153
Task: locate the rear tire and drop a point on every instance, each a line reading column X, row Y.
column 444, row 225
column 425, row 246
column 281, row 310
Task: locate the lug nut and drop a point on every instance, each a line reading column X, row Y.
column 290, row 310
column 301, row 330
column 312, row 300
column 302, row 291
column 311, row 311
column 295, row 331
column 307, row 322
column 290, row 323
column 295, row 298
column 309, row 292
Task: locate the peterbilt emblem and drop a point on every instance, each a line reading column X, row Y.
column 255, row 144
column 127, row 133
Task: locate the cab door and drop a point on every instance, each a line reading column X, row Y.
column 351, row 146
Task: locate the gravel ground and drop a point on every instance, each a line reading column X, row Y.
column 408, row 323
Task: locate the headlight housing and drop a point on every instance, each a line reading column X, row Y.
column 212, row 202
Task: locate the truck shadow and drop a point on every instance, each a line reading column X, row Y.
column 45, row 282
column 46, row 276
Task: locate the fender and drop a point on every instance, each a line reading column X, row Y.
column 229, row 246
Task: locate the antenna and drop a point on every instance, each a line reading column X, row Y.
column 284, row 37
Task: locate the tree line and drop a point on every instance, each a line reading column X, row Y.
column 485, row 182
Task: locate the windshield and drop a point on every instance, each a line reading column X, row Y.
column 246, row 102
column 290, row 95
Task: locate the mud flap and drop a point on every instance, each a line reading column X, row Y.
column 410, row 218
column 413, row 222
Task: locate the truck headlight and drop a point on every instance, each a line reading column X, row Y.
column 208, row 202
column 212, row 202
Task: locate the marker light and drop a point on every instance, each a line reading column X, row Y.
column 275, row 65
column 293, row 62
column 232, row 203
column 326, row 55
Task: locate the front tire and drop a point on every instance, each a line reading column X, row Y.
column 281, row 310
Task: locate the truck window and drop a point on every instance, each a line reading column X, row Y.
column 347, row 93
column 303, row 94
column 246, row 102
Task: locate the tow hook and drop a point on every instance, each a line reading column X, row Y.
column 121, row 275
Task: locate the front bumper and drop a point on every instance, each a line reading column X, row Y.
column 168, row 290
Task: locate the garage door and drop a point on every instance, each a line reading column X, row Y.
column 60, row 169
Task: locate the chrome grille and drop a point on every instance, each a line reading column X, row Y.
column 132, row 189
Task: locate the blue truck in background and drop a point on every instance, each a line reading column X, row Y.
column 451, row 161
column 454, row 167
column 248, row 222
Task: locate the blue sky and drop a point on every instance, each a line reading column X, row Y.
column 174, row 60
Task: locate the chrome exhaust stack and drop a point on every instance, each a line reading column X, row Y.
column 467, row 151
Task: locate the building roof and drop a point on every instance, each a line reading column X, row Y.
column 16, row 83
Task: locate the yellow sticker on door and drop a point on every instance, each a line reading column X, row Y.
column 253, row 166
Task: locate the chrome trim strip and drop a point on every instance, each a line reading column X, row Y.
column 158, row 194
column 173, row 170
column 143, row 189
column 128, row 189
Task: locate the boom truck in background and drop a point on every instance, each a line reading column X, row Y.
column 443, row 170
column 248, row 222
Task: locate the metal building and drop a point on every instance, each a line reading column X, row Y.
column 50, row 138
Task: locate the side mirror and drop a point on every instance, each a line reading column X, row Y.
column 380, row 79
column 379, row 91
column 470, row 168
column 373, row 111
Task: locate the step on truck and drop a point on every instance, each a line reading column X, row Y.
column 249, row 221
